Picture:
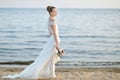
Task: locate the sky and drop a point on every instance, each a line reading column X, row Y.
column 60, row 3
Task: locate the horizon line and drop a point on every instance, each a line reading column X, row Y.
column 58, row 8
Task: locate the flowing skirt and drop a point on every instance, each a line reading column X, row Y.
column 43, row 66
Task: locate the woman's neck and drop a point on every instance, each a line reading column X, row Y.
column 52, row 16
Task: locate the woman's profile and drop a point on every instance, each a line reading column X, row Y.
column 44, row 65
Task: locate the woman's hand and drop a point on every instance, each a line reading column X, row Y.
column 57, row 47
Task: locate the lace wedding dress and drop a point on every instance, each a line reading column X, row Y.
column 44, row 65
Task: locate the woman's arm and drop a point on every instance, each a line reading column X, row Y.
column 55, row 33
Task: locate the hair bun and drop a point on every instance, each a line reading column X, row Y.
column 48, row 8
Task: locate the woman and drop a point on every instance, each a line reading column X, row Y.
column 44, row 65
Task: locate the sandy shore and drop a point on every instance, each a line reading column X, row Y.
column 73, row 73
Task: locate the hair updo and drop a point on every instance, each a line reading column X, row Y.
column 50, row 8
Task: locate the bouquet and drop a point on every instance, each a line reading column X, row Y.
column 60, row 52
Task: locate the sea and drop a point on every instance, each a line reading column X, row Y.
column 90, row 37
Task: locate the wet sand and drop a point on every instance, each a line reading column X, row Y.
column 72, row 73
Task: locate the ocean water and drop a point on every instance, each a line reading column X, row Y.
column 90, row 37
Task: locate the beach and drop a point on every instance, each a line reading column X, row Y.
column 72, row 73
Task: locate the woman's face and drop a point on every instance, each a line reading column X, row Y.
column 54, row 12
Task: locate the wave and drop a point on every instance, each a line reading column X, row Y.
column 18, row 62
column 88, row 36
column 68, row 63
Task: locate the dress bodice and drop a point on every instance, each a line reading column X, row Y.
column 50, row 23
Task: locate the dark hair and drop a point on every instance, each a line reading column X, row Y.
column 50, row 8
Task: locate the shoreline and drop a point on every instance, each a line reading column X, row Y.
column 66, row 64
column 57, row 66
column 72, row 73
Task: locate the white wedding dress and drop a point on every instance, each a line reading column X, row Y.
column 44, row 65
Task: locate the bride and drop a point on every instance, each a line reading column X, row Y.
column 44, row 65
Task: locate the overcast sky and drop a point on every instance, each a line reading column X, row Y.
column 60, row 3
